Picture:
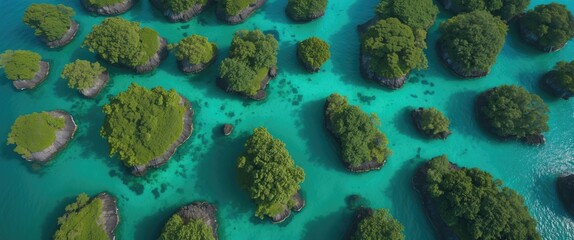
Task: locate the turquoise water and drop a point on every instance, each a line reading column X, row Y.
column 33, row 197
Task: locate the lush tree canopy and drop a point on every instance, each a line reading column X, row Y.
column 301, row 10
column 394, row 48
column 118, row 40
column 380, row 224
column 473, row 40
column 433, row 121
column 20, row 64
column 251, row 55
column 49, row 21
column 361, row 140
column 142, row 124
column 563, row 74
column 268, row 173
column 196, row 49
column 179, row 6
column 81, row 220
column 551, row 24
column 418, row 14
column 34, row 132
column 81, row 74
column 514, row 112
column 313, row 52
column 506, row 9
column 234, row 7
column 103, row 3
column 177, row 228
column 475, row 205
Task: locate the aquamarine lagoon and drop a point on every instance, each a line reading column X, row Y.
column 33, row 196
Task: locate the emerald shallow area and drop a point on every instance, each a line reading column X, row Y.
column 203, row 168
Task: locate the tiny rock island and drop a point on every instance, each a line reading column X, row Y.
column 87, row 77
column 194, row 53
column 195, row 221
column 25, row 68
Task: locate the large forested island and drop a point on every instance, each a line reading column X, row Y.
column 194, row 53
column 40, row 136
column 269, row 174
column 89, row 78
column 108, row 7
column 560, row 81
column 251, row 64
column 25, row 68
column 237, row 11
column 180, row 10
column 53, row 24
column 89, row 218
column 468, row 203
column 363, row 145
column 548, row 27
column 126, row 43
column 196, row 221
column 145, row 127
column 375, row 224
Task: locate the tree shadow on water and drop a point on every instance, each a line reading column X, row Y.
column 404, row 123
column 331, row 226
column 50, row 224
column 150, row 226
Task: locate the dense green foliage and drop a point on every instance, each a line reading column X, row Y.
column 81, row 220
column 361, row 140
column 394, row 48
column 552, row 25
column 34, row 132
column 20, row 64
column 118, row 40
column 475, row 205
column 177, row 228
column 251, row 53
column 195, row 49
column 234, row 7
column 103, row 3
column 433, row 121
column 179, row 6
column 305, row 9
column 82, row 74
column 512, row 111
column 563, row 74
column 268, row 173
column 141, row 124
column 473, row 40
column 506, row 9
column 418, row 14
column 49, row 21
column 379, row 225
column 313, row 52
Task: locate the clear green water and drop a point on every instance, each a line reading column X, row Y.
column 204, row 167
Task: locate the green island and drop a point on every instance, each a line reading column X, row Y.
column 89, row 218
column 192, row 222
column 123, row 42
column 418, row 14
column 237, row 11
column 505, row 9
column 305, row 10
column 180, row 10
column 251, row 64
column 39, row 136
column 548, row 26
column 431, row 122
column 313, row 52
column 87, row 77
column 390, row 50
column 363, row 145
column 375, row 224
column 470, row 43
column 145, row 127
column 561, row 80
column 468, row 203
column 107, row 7
column 510, row 111
column 269, row 175
column 194, row 53
column 53, row 24
column 25, row 68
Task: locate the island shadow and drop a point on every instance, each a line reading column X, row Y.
column 150, row 226
column 50, row 225
column 334, row 225
column 404, row 123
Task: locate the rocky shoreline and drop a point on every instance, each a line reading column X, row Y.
column 532, row 39
column 40, row 76
column 109, row 217
column 185, row 134
column 306, row 19
column 454, row 67
column 115, row 9
column 99, row 83
column 565, row 189
column 184, row 16
column 261, row 93
column 299, row 204
column 242, row 16
column 186, row 67
column 416, row 115
column 156, row 59
column 63, row 136
column 202, row 211
column 555, row 88
column 67, row 38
